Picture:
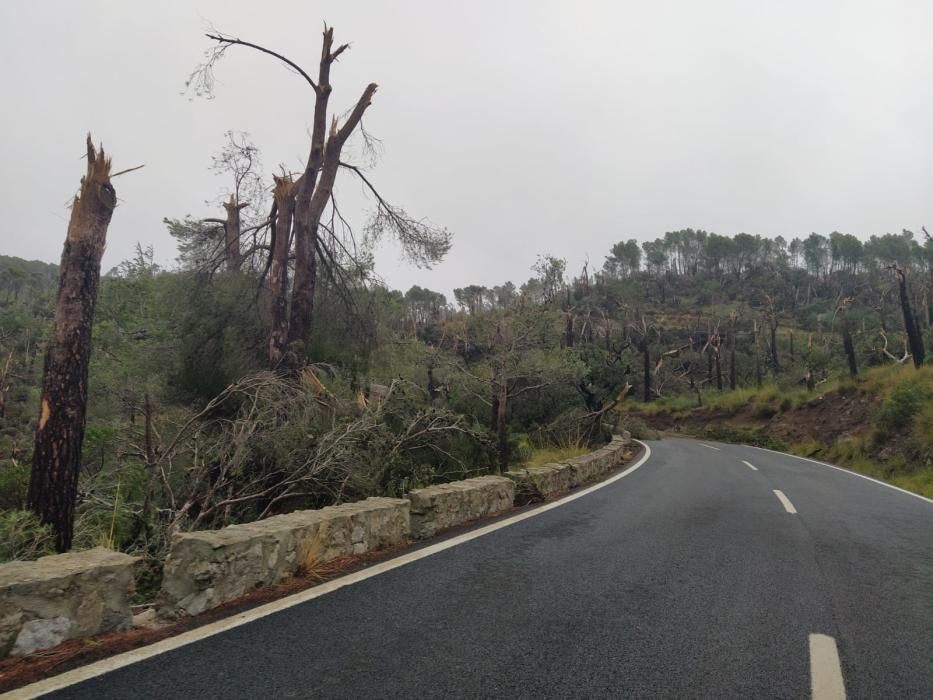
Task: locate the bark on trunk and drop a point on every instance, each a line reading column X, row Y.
column 847, row 343
column 718, row 369
column 56, row 460
column 232, row 255
column 503, row 427
column 775, row 362
column 757, row 356
column 732, row 325
column 284, row 204
column 647, row 369
column 314, row 189
column 914, row 338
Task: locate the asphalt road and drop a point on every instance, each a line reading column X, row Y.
column 689, row 578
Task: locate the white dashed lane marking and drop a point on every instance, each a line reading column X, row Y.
column 825, row 669
column 785, row 501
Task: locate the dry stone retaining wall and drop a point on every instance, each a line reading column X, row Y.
column 551, row 480
column 438, row 507
column 209, row 567
column 60, row 597
column 63, row 596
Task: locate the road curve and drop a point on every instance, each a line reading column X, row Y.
column 689, row 578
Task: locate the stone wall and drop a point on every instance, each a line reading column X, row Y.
column 46, row 602
column 438, row 507
column 209, row 567
column 552, row 480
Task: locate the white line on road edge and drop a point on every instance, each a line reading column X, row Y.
column 120, row 660
column 710, row 446
column 785, row 501
column 825, row 670
column 846, row 471
column 750, row 465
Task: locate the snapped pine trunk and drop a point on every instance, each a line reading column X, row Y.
column 56, row 459
column 278, row 279
column 232, row 255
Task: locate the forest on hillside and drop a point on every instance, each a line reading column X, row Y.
column 191, row 426
column 270, row 369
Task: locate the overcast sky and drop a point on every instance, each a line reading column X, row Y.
column 523, row 127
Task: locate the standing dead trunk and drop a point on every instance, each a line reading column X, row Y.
column 647, row 367
column 5, row 383
column 315, row 186
column 850, row 351
column 914, row 338
column 791, row 348
column 502, row 425
column 718, row 365
column 232, row 255
column 56, row 461
column 284, row 204
column 733, row 318
column 842, row 310
column 756, row 332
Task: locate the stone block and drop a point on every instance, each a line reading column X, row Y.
column 210, row 567
column 542, row 483
column 445, row 505
column 63, row 596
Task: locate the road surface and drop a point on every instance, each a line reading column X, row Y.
column 712, row 571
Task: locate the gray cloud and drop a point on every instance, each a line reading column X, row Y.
column 524, row 127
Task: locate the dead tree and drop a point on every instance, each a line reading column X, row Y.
column 643, row 345
column 733, row 322
column 809, row 379
column 842, row 312
column 756, row 334
column 772, row 317
column 914, row 337
column 238, row 159
column 53, row 486
column 312, row 193
column 883, row 350
column 281, row 221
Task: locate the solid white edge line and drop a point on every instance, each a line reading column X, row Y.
column 711, row 447
column 845, row 471
column 785, row 501
column 750, row 465
column 113, row 663
column 826, row 682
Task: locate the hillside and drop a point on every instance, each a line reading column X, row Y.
column 798, row 343
column 880, row 424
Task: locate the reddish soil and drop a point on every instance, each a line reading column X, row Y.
column 826, row 418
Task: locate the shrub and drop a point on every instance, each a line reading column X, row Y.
column 898, row 411
column 23, row 537
column 638, row 428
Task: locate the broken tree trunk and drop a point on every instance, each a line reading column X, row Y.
column 647, row 367
column 315, row 186
column 232, row 255
column 56, row 459
column 281, row 219
column 503, row 425
column 842, row 309
column 756, row 331
column 733, row 318
column 914, row 337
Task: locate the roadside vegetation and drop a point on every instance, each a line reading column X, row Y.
column 879, row 423
column 270, row 369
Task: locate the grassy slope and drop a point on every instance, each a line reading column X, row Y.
column 880, row 424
